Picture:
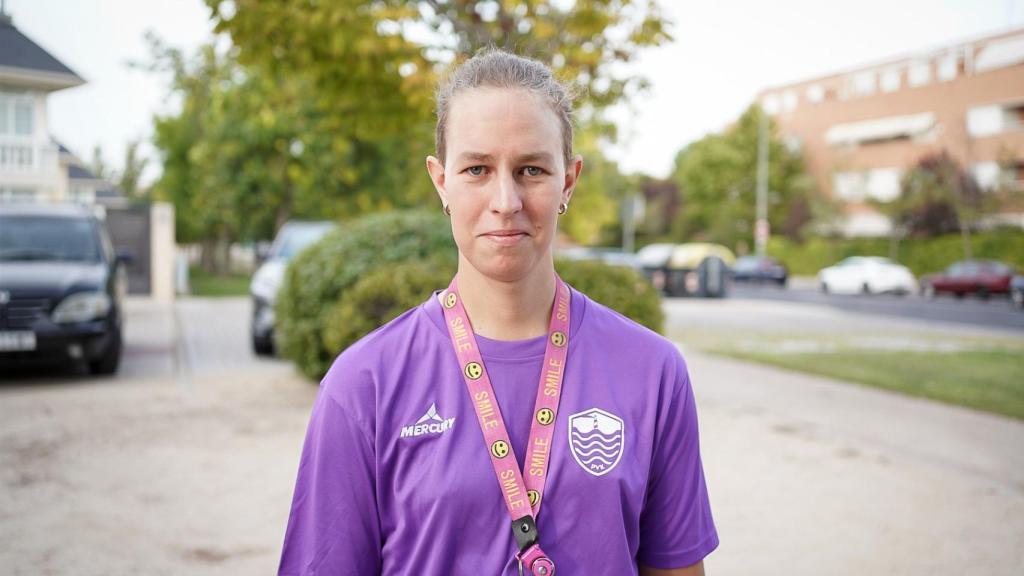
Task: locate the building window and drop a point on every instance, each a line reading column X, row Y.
column 815, row 93
column 947, row 67
column 890, row 80
column 863, row 83
column 1000, row 54
column 789, row 100
column 771, row 103
column 22, row 118
column 883, row 184
column 920, row 73
column 15, row 114
column 849, row 186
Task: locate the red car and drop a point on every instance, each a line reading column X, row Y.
column 981, row 277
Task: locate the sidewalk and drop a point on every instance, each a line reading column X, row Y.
column 810, row 476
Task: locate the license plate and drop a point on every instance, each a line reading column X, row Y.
column 17, row 341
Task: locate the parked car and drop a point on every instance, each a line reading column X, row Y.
column 981, row 277
column 866, row 275
column 759, row 270
column 291, row 239
column 693, row 269
column 610, row 256
column 62, row 288
column 1017, row 292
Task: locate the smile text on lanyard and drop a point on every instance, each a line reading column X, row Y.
column 522, row 498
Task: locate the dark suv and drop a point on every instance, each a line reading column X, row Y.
column 61, row 288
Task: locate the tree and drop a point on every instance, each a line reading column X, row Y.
column 134, row 164
column 716, row 177
column 391, row 50
column 99, row 168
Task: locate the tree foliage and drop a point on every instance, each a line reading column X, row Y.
column 936, row 197
column 716, row 176
column 324, row 110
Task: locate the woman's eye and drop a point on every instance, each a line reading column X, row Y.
column 532, row 171
column 475, row 170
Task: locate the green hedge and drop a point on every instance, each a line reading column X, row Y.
column 921, row 256
column 318, row 277
column 381, row 296
column 375, row 268
column 621, row 289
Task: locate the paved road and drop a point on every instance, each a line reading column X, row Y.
column 184, row 464
column 993, row 313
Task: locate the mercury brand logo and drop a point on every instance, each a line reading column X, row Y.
column 429, row 423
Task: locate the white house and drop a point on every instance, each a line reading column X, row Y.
column 34, row 167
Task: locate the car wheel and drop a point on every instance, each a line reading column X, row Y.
column 263, row 346
column 928, row 291
column 824, row 288
column 983, row 292
column 865, row 289
column 107, row 363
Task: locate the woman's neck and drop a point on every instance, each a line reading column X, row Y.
column 515, row 310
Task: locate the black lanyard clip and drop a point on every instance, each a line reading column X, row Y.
column 525, row 532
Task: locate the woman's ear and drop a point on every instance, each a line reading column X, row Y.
column 436, row 170
column 572, row 176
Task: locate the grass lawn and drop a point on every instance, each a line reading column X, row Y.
column 990, row 380
column 204, row 284
column 977, row 372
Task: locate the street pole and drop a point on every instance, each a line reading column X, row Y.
column 761, row 230
column 628, row 224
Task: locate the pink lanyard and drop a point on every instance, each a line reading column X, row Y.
column 522, row 498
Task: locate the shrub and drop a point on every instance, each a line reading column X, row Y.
column 381, row 296
column 621, row 289
column 375, row 268
column 922, row 256
column 319, row 277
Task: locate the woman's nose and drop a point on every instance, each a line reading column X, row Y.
column 506, row 198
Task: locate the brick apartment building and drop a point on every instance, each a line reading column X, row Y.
column 860, row 130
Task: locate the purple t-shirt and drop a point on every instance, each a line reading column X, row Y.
column 395, row 478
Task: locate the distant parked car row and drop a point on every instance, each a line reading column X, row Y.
column 867, row 275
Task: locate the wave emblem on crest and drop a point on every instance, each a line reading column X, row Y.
column 596, row 439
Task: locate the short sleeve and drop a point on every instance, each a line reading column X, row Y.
column 334, row 527
column 676, row 528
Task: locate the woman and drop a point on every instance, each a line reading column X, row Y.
column 509, row 424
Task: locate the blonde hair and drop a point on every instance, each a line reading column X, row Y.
column 496, row 68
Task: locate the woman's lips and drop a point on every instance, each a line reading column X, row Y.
column 509, row 238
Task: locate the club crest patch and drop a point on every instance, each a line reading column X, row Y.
column 596, row 439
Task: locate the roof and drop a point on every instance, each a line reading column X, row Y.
column 22, row 60
column 76, row 172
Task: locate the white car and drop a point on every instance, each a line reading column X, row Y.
column 867, row 275
column 292, row 238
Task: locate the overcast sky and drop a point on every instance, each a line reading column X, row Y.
column 724, row 53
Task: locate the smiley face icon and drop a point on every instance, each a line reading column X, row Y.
column 474, row 370
column 545, row 416
column 499, row 448
column 534, row 497
column 558, row 339
column 450, row 299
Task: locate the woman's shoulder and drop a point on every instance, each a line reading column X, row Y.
column 616, row 331
column 376, row 351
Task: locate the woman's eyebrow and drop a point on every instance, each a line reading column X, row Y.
column 541, row 157
column 475, row 157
